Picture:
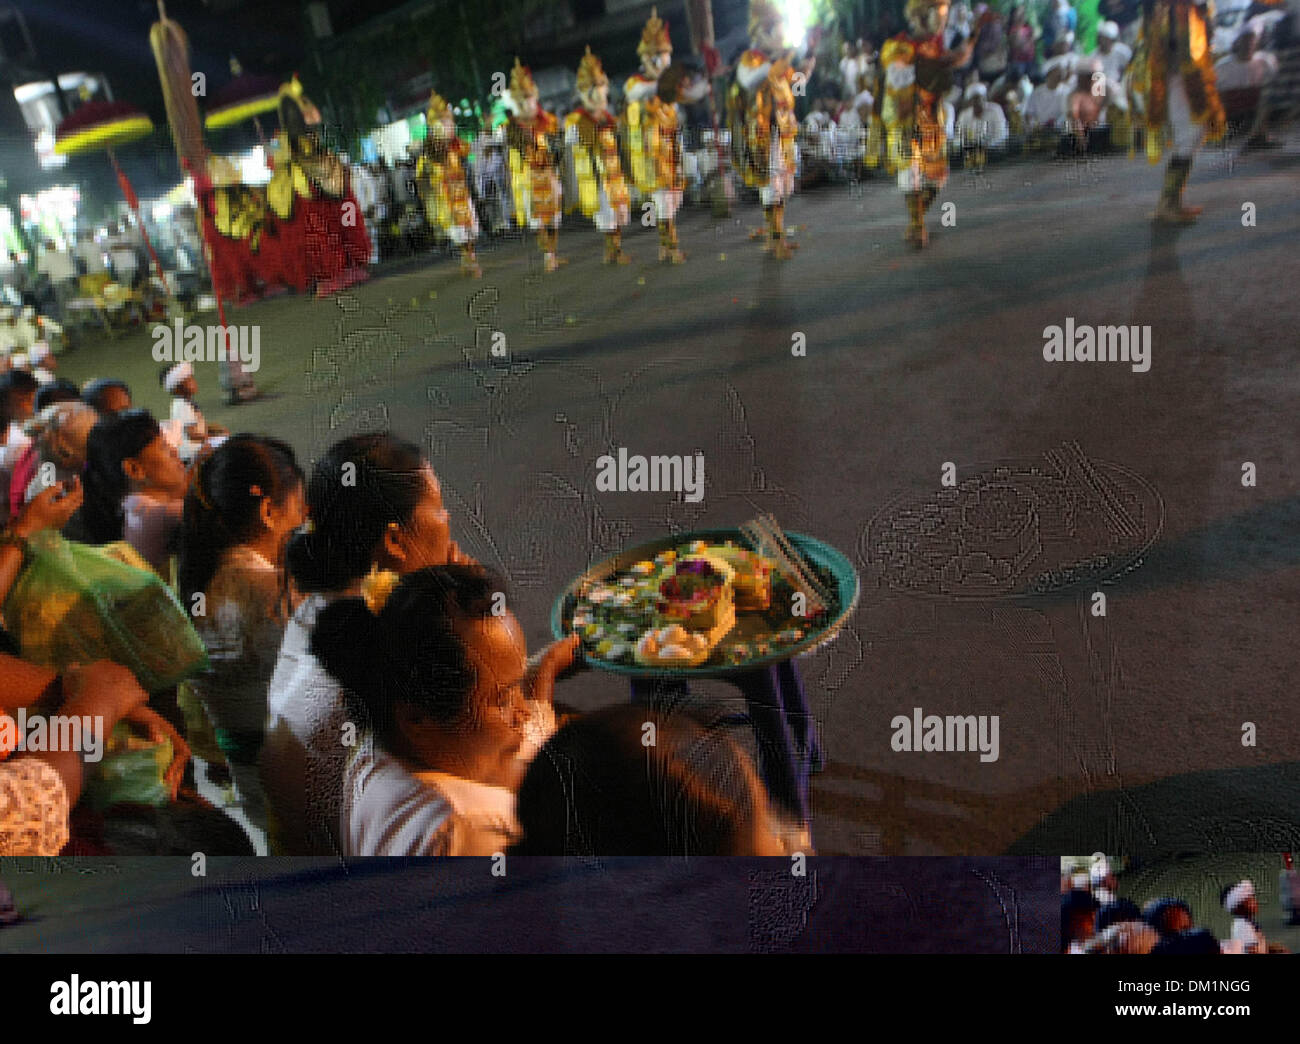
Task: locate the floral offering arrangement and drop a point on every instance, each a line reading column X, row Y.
column 697, row 603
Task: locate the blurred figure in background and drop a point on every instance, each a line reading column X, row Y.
column 1078, row 920
column 1247, row 68
column 1239, row 900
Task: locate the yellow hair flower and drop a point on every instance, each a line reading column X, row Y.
column 377, row 586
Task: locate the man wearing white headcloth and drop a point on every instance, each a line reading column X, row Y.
column 982, row 124
column 187, row 430
column 1240, row 901
column 1113, row 54
column 1049, row 102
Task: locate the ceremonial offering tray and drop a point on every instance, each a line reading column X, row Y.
column 703, row 604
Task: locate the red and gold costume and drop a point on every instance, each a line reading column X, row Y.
column 1174, row 72
column 295, row 231
column 531, row 137
column 591, row 134
column 441, row 177
column 915, row 74
column 764, row 128
column 663, row 140
column 326, row 239
column 655, row 51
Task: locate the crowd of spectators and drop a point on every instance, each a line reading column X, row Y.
column 1096, row 919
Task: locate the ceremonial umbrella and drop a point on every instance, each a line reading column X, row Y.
column 105, row 125
column 246, row 97
column 171, row 51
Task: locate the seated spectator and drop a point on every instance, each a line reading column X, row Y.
column 1168, row 916
column 17, row 403
column 59, row 389
column 1239, row 900
column 89, row 254
column 598, row 788
column 1247, row 69
column 39, row 788
column 49, row 509
column 1078, row 920
column 452, row 716
column 982, row 123
column 106, row 395
column 390, row 517
column 187, row 430
column 1113, row 55
column 1111, row 59
column 55, row 263
column 245, row 500
column 1047, row 107
column 852, row 130
column 1087, row 107
column 1126, row 936
column 57, row 452
column 135, row 487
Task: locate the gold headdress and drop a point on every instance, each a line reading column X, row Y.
column 438, row 109
column 521, row 81
column 297, row 112
column 590, row 72
column 654, row 37
column 763, row 14
column 292, row 89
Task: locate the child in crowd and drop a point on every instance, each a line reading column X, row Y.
column 188, row 430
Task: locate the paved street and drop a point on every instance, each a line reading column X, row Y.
column 1120, row 732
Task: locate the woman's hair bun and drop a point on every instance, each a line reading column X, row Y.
column 348, row 642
